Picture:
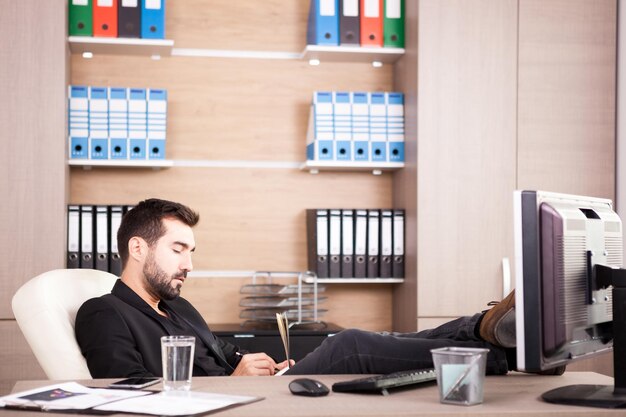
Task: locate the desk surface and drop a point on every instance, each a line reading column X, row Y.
column 511, row 395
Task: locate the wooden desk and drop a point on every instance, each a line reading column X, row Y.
column 511, row 395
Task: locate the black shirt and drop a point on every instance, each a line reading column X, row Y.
column 120, row 336
column 204, row 363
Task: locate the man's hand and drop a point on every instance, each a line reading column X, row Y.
column 259, row 364
column 283, row 364
column 256, row 364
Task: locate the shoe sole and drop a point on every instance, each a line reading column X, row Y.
column 504, row 331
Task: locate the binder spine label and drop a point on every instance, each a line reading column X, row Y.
column 327, row 7
column 393, row 9
column 322, row 234
column 102, row 232
column 351, row 8
column 360, row 247
column 153, row 4
column 335, row 233
column 371, row 8
column 347, row 233
column 398, row 235
column 386, row 246
column 372, row 241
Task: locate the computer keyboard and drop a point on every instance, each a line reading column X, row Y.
column 388, row 381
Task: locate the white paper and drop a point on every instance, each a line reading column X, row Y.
column 177, row 403
column 74, row 396
column 450, row 373
column 67, row 396
column 283, row 329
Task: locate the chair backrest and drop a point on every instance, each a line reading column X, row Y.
column 45, row 309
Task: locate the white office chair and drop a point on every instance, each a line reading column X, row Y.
column 45, row 309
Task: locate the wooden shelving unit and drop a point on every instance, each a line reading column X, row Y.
column 120, row 46
column 356, row 280
column 377, row 168
column 240, row 95
column 351, row 54
column 113, row 163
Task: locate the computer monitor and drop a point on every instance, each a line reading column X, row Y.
column 570, row 292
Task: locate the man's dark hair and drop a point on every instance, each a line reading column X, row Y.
column 144, row 221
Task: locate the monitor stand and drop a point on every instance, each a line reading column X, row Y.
column 604, row 396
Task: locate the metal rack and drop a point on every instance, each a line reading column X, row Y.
column 300, row 300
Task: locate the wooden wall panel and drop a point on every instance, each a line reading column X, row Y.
column 33, row 174
column 225, row 109
column 233, row 109
column 405, row 181
column 218, row 302
column 567, row 64
column 566, row 110
column 17, row 361
column 466, row 152
column 268, row 25
column 602, row 364
column 251, row 219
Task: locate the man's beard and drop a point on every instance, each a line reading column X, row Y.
column 159, row 282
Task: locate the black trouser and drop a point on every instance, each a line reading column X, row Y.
column 355, row 351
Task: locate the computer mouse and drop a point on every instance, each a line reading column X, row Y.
column 308, row 387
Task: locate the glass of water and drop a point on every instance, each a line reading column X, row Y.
column 177, row 360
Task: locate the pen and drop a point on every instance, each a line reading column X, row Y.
column 276, row 370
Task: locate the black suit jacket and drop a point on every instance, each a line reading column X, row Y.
column 119, row 335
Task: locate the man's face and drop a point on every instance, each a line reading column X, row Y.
column 169, row 260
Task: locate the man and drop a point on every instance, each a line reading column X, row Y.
column 119, row 333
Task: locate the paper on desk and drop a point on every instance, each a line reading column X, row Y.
column 178, row 403
column 74, row 396
column 67, row 396
column 455, row 375
column 282, row 371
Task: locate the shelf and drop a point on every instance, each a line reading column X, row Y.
column 121, row 46
column 377, row 168
column 356, row 280
column 312, row 166
column 352, row 54
column 165, row 47
column 248, row 274
column 122, row 163
column 234, row 53
column 205, row 163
